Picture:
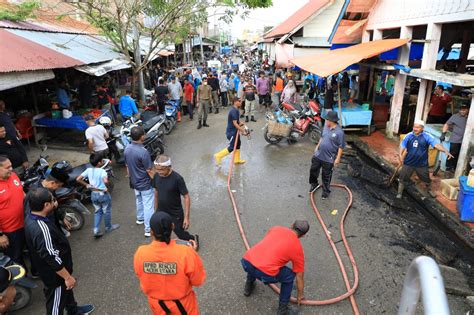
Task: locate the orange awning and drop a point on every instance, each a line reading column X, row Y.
column 165, row 53
column 335, row 61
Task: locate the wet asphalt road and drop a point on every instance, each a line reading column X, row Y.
column 271, row 189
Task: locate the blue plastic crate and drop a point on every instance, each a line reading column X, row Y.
column 465, row 203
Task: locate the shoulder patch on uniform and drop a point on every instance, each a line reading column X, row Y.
column 161, row 268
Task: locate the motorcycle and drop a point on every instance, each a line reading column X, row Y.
column 299, row 120
column 153, row 138
column 23, row 287
column 68, row 199
column 171, row 113
column 114, row 142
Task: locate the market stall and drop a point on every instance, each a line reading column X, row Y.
column 76, row 121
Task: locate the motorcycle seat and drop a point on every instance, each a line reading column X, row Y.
column 63, row 191
column 147, row 125
column 76, row 171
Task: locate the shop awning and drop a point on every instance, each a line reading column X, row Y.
column 11, row 80
column 102, row 68
column 165, row 53
column 334, row 61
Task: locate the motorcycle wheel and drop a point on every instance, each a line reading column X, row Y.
column 271, row 138
column 168, row 126
column 22, row 298
column 162, row 131
column 315, row 135
column 74, row 217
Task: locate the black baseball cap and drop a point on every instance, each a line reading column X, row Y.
column 59, row 174
column 10, row 275
column 301, row 226
column 161, row 223
column 332, row 116
column 464, row 105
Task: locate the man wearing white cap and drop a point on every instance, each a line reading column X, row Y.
column 414, row 156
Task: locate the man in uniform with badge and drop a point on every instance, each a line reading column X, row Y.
column 168, row 269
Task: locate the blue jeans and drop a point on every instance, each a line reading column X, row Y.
column 103, row 208
column 285, row 276
column 145, row 201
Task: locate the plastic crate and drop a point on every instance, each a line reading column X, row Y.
column 450, row 188
column 277, row 129
column 465, row 202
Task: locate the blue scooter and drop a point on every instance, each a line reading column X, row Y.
column 171, row 112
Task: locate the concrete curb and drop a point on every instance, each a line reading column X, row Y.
column 441, row 214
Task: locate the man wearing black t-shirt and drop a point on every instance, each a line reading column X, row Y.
column 169, row 187
column 161, row 92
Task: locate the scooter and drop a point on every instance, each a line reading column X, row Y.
column 68, row 199
column 171, row 113
column 153, row 138
column 307, row 122
column 23, row 287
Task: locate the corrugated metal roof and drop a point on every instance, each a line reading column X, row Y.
column 300, row 16
column 21, row 25
column 85, row 48
column 20, row 54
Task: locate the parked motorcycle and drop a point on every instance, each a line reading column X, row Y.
column 23, row 287
column 293, row 122
column 153, row 138
column 68, row 198
column 171, row 113
column 114, row 142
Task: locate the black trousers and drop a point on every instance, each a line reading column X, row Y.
column 231, row 139
column 454, row 149
column 326, row 176
column 178, row 228
column 14, row 250
column 436, row 119
column 58, row 299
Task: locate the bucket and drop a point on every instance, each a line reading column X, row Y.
column 56, row 114
column 465, row 204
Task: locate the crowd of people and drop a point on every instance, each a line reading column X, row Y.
column 168, row 269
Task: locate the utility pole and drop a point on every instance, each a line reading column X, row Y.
column 201, row 47
column 138, row 63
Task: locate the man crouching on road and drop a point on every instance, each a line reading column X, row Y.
column 168, row 269
column 267, row 261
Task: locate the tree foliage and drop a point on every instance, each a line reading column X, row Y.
column 158, row 22
column 19, row 12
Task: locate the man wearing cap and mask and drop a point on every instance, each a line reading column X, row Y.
column 169, row 187
column 8, row 277
column 266, row 261
column 457, row 123
column 414, row 156
column 327, row 154
column 51, row 254
column 168, row 270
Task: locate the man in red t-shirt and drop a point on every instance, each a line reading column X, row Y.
column 267, row 261
column 12, row 218
column 438, row 105
column 188, row 97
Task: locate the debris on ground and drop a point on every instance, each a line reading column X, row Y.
column 454, row 281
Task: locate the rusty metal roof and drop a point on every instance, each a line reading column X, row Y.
column 20, row 54
column 298, row 18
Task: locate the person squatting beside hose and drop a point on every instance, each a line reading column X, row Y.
column 168, row 269
column 233, row 126
column 266, row 261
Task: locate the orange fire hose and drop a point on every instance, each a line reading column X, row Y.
column 350, row 290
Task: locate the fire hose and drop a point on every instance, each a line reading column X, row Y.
column 350, row 289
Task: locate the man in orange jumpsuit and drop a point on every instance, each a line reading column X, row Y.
column 168, row 270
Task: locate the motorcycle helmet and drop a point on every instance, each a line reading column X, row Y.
column 105, row 121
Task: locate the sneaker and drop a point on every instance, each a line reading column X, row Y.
column 112, row 228
column 147, row 234
column 98, row 234
column 139, row 222
column 324, row 196
column 313, row 188
column 85, row 309
column 248, row 289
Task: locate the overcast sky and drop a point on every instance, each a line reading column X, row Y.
column 259, row 18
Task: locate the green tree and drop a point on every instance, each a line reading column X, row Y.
column 19, row 12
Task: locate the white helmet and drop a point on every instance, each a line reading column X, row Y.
column 105, row 121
